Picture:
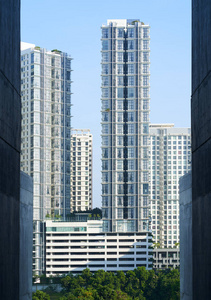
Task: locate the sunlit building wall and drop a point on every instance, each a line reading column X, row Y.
column 170, row 158
column 125, row 125
column 81, row 170
column 45, row 138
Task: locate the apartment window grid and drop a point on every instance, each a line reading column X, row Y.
column 81, row 177
column 178, row 162
column 120, row 44
column 38, row 120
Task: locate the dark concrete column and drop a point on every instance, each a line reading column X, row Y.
column 201, row 148
column 10, row 126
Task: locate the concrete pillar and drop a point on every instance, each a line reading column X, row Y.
column 10, row 127
column 201, row 147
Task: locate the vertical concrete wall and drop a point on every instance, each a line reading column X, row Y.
column 26, row 236
column 10, row 126
column 201, row 147
column 186, row 237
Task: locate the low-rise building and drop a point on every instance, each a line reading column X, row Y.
column 166, row 258
column 74, row 246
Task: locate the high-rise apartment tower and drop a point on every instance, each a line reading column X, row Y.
column 45, row 147
column 125, row 125
column 170, row 158
column 81, row 170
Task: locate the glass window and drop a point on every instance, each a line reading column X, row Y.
column 105, row 33
column 119, row 140
column 145, row 68
column 105, row 69
column 104, row 165
column 105, row 128
column 105, row 116
column 120, row 104
column 120, row 80
column 105, row 189
column 131, row 128
column 130, row 140
column 105, row 201
column 119, row 201
column 145, row 44
column 130, row 32
column 119, row 164
column 131, row 165
column 145, row 117
column 120, row 189
column 105, row 152
column 131, row 201
column 119, row 213
column 130, row 105
column 131, row 45
column 145, row 188
column 105, row 57
column 145, row 104
column 145, row 33
column 130, row 92
column 130, row 57
column 120, row 93
column 130, row 189
column 145, row 56
column 120, row 45
column 105, row 140
column 131, row 152
column 105, row 93
column 119, row 117
column 105, row 104
column 145, row 128
column 130, row 117
column 120, row 69
column 145, row 140
column 120, row 153
column 120, row 129
column 104, row 45
column 131, row 176
column 120, row 32
column 120, row 56
column 120, row 177
column 145, row 92
column 145, row 80
column 131, row 80
column 130, row 69
column 105, row 81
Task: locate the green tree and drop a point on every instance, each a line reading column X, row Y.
column 39, row 295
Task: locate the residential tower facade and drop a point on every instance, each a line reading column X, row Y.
column 81, row 170
column 125, row 125
column 170, row 158
column 45, row 138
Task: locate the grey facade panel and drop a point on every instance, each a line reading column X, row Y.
column 186, row 237
column 26, row 236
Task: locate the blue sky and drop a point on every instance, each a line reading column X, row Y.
column 74, row 27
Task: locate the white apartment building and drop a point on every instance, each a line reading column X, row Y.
column 74, row 246
column 81, row 170
column 45, row 136
column 125, row 125
column 170, row 158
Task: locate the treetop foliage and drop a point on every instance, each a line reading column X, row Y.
column 139, row 284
